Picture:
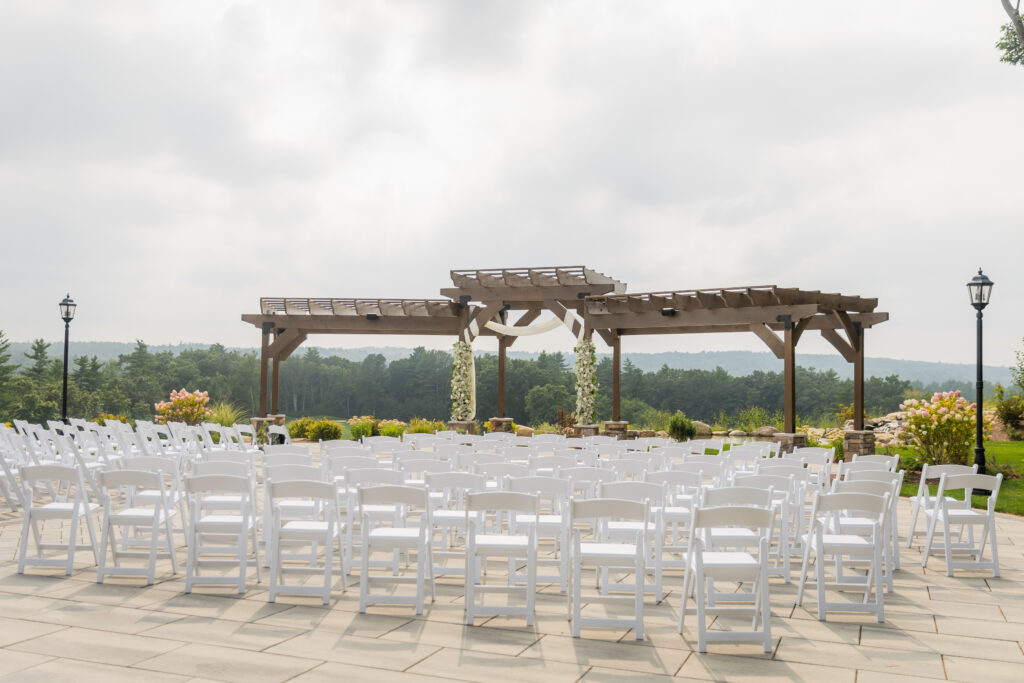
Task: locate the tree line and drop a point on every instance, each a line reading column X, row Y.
column 416, row 386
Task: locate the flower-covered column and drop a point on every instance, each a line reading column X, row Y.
column 586, row 381
column 463, row 383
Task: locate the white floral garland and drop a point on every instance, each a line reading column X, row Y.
column 586, row 381
column 463, row 383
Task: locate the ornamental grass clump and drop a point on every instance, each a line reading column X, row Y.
column 324, row 430
column 184, row 406
column 942, row 429
column 393, row 428
column 586, row 381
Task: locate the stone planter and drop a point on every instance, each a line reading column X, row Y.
column 501, row 424
column 616, row 428
column 587, row 430
column 468, row 426
column 858, row 443
column 791, row 441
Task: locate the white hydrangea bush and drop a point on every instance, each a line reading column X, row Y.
column 463, row 383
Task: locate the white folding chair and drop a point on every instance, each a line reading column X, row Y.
column 289, row 509
column 376, row 537
column 654, row 496
column 143, row 516
column 447, row 492
column 875, row 488
column 324, row 531
column 67, row 500
column 747, row 563
column 550, row 523
column 923, row 500
column 600, row 554
column 784, row 491
column 895, row 481
column 890, row 461
column 512, row 546
column 216, row 539
column 966, row 517
column 827, row 537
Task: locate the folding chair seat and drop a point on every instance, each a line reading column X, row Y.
column 551, row 521
column 322, row 533
column 654, row 496
column 62, row 497
column 892, row 462
column 966, row 517
column 213, row 536
column 827, row 537
column 395, row 539
column 600, row 554
column 447, row 495
column 145, row 520
column 746, row 564
column 923, row 500
column 513, row 546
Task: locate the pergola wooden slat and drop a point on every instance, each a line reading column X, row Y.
column 587, row 302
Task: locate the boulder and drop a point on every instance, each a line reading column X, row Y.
column 703, row 428
column 524, row 431
column 720, row 433
column 647, row 433
column 815, row 432
column 764, row 431
column 737, row 432
column 834, row 433
column 662, row 434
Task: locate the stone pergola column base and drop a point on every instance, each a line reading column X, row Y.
column 859, row 442
column 586, row 430
column 616, row 428
column 791, row 441
column 468, row 426
column 501, row 424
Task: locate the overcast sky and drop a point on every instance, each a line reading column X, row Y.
column 169, row 163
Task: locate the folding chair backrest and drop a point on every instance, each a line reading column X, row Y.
column 876, row 475
column 875, row 488
column 857, row 502
column 341, row 444
column 373, row 476
column 423, row 466
column 278, row 459
column 738, row 496
column 279, row 430
column 546, row 487
column 451, row 451
column 340, row 464
column 447, row 481
column 502, row 500
column 392, row 495
column 115, row 479
column 930, row 472
column 551, row 462
column 317, row 490
column 287, row 448
column 221, row 483
column 732, row 516
column 970, row 482
column 891, row 461
column 582, row 475
column 608, row 508
column 843, row 469
column 776, row 482
column 222, row 467
column 653, row 494
column 292, row 472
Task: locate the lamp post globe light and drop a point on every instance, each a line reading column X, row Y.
column 67, row 314
column 980, row 290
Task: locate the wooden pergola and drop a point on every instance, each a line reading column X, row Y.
column 586, row 302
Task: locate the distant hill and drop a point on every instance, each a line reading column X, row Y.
column 736, row 363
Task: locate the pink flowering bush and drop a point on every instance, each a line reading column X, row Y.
column 184, row 406
column 942, row 429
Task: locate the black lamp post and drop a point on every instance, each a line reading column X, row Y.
column 980, row 289
column 67, row 314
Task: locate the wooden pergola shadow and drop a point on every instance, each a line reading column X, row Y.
column 586, row 302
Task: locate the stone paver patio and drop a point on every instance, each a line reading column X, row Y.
column 967, row 628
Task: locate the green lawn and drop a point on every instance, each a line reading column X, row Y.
column 1011, row 493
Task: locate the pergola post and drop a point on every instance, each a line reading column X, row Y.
column 502, row 346
column 264, row 369
column 858, row 379
column 275, row 391
column 616, row 378
column 789, row 376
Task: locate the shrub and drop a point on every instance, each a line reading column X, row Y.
column 102, row 418
column 393, row 428
column 365, row 425
column 546, row 428
column 681, row 427
column 418, row 425
column 183, row 406
column 298, row 427
column 942, row 429
column 487, row 427
column 323, row 430
column 226, row 413
column 564, row 420
column 1010, row 410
